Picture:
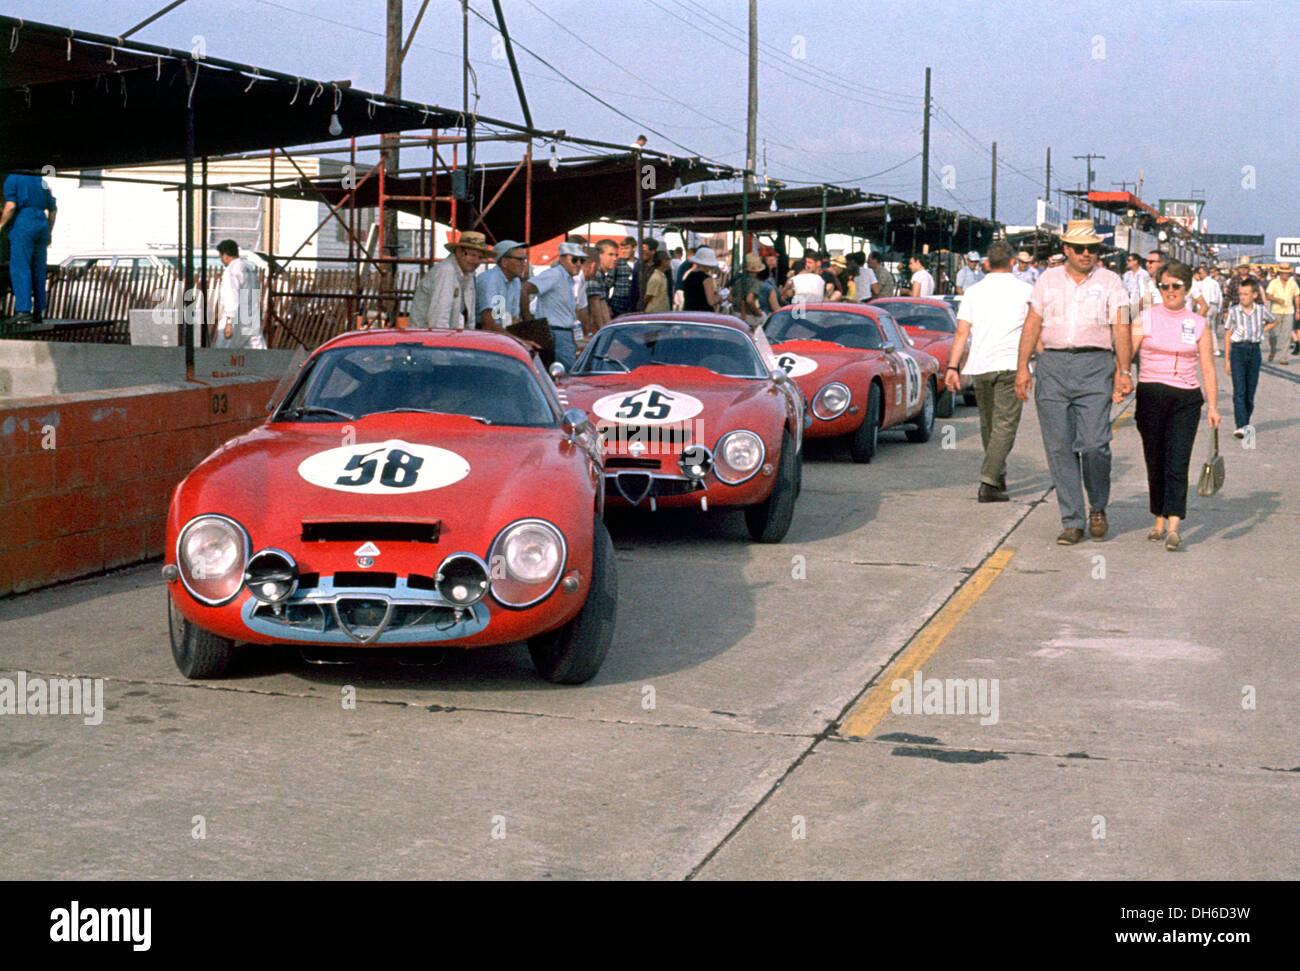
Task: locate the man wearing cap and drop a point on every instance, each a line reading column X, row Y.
column 444, row 296
column 1025, row 270
column 496, row 289
column 554, row 290
column 1080, row 312
column 970, row 274
column 1283, row 299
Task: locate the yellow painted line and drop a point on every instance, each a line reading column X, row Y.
column 1125, row 417
column 864, row 718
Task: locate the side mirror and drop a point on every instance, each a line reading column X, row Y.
column 779, row 375
column 557, row 371
column 574, row 420
column 889, row 347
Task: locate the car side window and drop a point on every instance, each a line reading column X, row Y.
column 892, row 332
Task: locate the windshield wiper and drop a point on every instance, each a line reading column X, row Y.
column 611, row 360
column 429, row 411
column 317, row 410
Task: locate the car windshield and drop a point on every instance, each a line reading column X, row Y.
column 346, row 383
column 627, row 347
column 833, row 326
column 923, row 316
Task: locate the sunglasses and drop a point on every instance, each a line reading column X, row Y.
column 1090, row 248
column 1169, row 286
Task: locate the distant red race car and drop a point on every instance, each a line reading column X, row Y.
column 930, row 322
column 692, row 415
column 414, row 488
column 857, row 371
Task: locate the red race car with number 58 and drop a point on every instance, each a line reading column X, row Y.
column 858, row 372
column 693, row 415
column 930, row 323
column 414, row 488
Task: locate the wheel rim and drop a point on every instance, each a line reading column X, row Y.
column 927, row 409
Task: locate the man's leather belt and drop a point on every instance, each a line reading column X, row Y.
column 1079, row 350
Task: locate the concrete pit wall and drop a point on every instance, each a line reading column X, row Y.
column 85, row 479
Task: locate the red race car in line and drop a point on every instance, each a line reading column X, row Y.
column 691, row 414
column 414, row 488
column 857, row 371
column 930, row 323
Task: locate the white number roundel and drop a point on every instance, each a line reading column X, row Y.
column 385, row 468
column 913, row 371
column 651, row 405
column 796, row 365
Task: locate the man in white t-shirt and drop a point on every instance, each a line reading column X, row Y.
column 808, row 286
column 865, row 281
column 992, row 316
column 922, row 281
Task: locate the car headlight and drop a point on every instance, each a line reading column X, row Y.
column 738, row 456
column 831, row 401
column 211, row 553
column 526, row 560
column 271, row 576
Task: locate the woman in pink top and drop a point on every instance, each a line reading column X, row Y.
column 1173, row 340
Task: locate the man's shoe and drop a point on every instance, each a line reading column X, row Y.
column 1283, row 363
column 1239, row 433
column 22, row 319
column 1002, row 483
column 1270, row 355
column 990, row 494
column 1097, row 525
column 1069, row 537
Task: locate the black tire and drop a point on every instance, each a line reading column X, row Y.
column 572, row 654
column 924, row 418
column 769, row 521
column 863, row 444
column 197, row 653
column 946, row 405
column 968, row 397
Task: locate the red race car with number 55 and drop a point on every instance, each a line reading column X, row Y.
column 414, row 488
column 858, row 372
column 692, row 415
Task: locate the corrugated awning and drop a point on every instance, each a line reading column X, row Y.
column 569, row 195
column 75, row 100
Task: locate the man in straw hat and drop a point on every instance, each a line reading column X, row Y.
column 444, row 296
column 1081, row 313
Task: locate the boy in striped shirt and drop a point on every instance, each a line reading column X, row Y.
column 1246, row 324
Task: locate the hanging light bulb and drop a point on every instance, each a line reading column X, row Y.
column 555, row 159
column 772, row 207
column 335, row 128
column 678, row 183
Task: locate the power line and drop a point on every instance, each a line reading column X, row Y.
column 854, row 86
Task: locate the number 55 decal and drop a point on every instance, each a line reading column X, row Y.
column 913, row 373
column 651, row 405
column 384, row 468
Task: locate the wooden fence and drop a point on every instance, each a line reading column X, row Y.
column 301, row 308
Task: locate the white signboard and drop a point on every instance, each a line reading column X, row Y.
column 1047, row 216
column 1287, row 249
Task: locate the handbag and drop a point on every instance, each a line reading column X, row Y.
column 1212, row 472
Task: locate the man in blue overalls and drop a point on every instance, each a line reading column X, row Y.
column 30, row 205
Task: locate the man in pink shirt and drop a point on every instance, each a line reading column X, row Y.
column 1081, row 313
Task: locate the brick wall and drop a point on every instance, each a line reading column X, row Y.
column 85, row 479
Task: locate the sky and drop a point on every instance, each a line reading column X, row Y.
column 1156, row 87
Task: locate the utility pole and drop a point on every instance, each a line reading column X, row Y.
column 1047, row 185
column 993, row 201
column 925, row 146
column 751, row 128
column 1090, row 156
column 390, row 152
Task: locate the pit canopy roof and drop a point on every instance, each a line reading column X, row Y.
column 72, row 99
column 893, row 224
column 573, row 193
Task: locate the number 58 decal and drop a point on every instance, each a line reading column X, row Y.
column 651, row 405
column 384, row 468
